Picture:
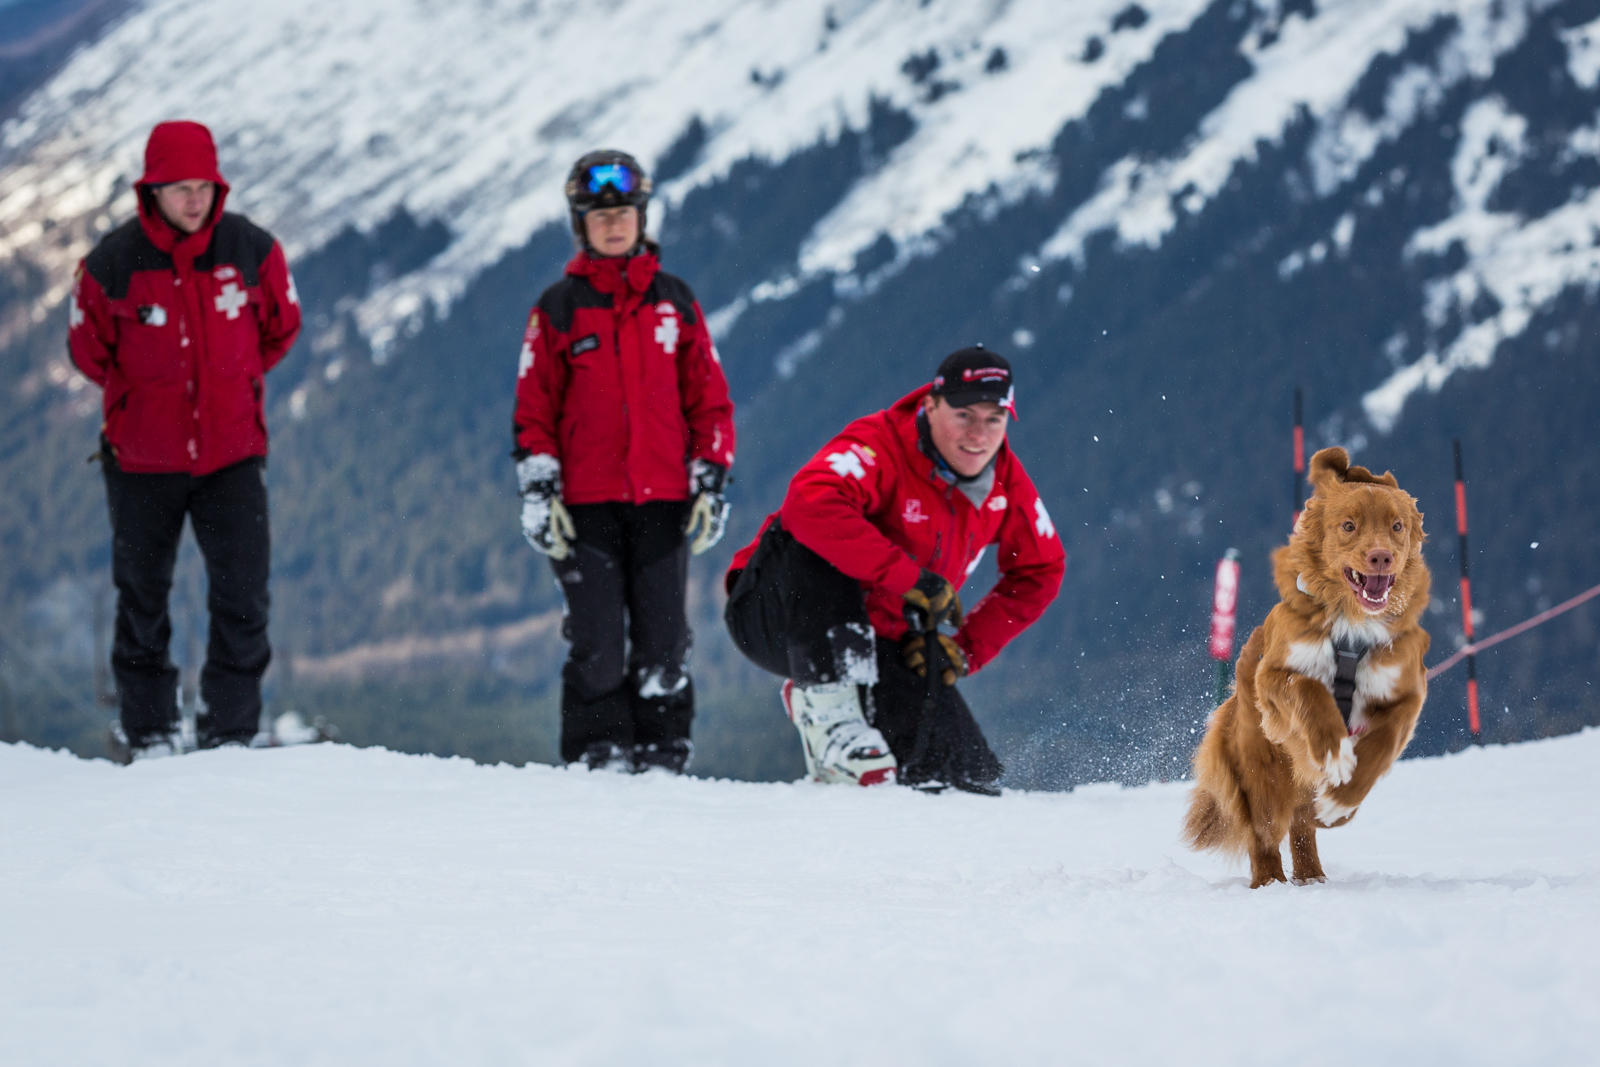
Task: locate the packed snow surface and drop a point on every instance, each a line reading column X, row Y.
column 332, row 905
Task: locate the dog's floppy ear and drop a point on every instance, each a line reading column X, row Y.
column 1328, row 468
column 1361, row 474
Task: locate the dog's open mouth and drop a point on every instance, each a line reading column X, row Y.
column 1371, row 589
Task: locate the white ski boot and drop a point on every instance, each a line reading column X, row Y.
column 158, row 747
column 839, row 744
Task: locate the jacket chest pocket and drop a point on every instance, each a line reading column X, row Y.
column 148, row 348
column 233, row 329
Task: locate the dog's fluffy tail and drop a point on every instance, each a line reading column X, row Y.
column 1219, row 817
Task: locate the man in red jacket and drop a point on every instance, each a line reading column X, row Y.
column 178, row 315
column 624, row 436
column 845, row 588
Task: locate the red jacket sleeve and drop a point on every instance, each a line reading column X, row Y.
column 1031, row 564
column 541, row 385
column 91, row 335
column 828, row 503
column 280, row 323
column 704, row 392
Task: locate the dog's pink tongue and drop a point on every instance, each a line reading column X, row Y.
column 1378, row 584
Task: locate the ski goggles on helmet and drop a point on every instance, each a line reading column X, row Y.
column 616, row 175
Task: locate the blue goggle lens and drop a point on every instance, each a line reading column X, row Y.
column 615, row 175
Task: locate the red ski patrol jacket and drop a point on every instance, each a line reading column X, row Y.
column 179, row 330
column 872, row 504
column 619, row 380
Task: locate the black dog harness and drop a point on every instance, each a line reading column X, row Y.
column 1347, row 657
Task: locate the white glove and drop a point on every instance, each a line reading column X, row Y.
column 546, row 523
column 708, row 517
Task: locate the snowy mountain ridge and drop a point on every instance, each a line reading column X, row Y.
column 336, row 116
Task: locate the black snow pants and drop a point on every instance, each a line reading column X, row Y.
column 626, row 679
column 228, row 513
column 793, row 613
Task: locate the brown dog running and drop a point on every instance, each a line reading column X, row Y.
column 1329, row 687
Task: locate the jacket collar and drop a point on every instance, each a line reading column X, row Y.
column 625, row 277
column 182, row 247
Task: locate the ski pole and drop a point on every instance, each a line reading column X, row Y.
column 1299, row 489
column 1224, row 617
column 1473, row 722
column 930, row 700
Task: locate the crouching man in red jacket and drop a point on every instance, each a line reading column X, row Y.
column 178, row 315
column 845, row 589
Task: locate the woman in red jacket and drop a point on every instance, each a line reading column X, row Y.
column 178, row 315
column 624, row 436
column 845, row 588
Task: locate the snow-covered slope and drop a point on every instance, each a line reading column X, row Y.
column 333, row 905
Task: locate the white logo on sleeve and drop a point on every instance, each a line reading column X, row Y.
column 74, row 313
column 231, row 299
column 1041, row 520
column 667, row 332
column 294, row 294
column 525, row 360
column 844, row 463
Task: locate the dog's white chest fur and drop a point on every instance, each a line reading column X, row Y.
column 1375, row 683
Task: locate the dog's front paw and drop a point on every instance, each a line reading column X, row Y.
column 1339, row 766
column 1331, row 813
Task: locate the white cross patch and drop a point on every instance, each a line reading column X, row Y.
column 294, row 294
column 844, row 463
column 231, row 299
column 667, row 333
column 74, row 313
column 1042, row 524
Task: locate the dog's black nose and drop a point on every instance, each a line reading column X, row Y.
column 1380, row 561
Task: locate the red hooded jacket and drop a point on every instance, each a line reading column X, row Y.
column 620, row 382
column 872, row 504
column 179, row 329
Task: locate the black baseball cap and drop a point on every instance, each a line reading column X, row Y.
column 973, row 375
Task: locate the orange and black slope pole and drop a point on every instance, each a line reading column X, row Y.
column 1299, row 459
column 1473, row 722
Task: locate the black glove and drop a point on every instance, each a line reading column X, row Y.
column 914, row 650
column 932, row 602
column 708, row 517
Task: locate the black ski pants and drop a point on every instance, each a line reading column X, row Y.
column 228, row 513
column 626, row 679
column 793, row 613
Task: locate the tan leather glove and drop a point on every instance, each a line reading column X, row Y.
column 931, row 603
column 915, row 651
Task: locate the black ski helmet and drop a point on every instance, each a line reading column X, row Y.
column 606, row 178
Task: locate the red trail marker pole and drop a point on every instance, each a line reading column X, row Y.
column 1299, row 457
column 1224, row 617
column 1473, row 722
